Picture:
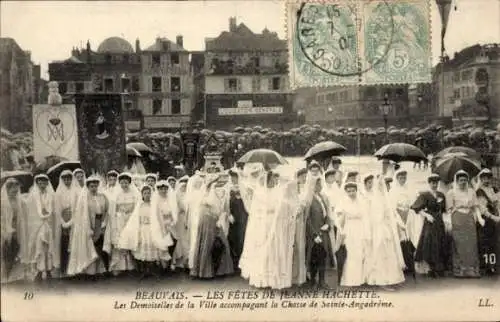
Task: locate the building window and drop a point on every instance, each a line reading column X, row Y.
column 174, row 58
column 96, row 83
column 108, row 85
column 276, row 83
column 126, row 58
column 456, row 93
column 128, row 108
column 231, row 85
column 79, row 87
column 330, row 97
column 71, row 87
column 176, row 106
column 157, row 106
column 256, row 84
column 175, row 84
column 63, row 88
column 108, row 58
column 135, row 84
column 156, row 84
column 156, row 59
column 256, row 62
column 125, row 85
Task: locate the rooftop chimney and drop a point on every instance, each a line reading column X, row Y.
column 137, row 46
column 179, row 40
column 232, row 24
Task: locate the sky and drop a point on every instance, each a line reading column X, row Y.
column 51, row 29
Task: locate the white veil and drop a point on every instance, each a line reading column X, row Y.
column 195, row 191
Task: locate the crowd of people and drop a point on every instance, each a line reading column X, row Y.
column 274, row 229
column 17, row 148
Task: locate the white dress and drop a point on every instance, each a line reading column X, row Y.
column 356, row 230
column 167, row 220
column 146, row 250
column 125, row 202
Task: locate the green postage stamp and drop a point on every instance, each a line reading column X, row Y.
column 362, row 42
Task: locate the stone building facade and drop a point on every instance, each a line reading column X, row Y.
column 242, row 80
column 144, row 78
column 20, row 83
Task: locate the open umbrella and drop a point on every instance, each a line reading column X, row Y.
column 55, row 171
column 469, row 152
column 451, row 163
column 25, row 179
column 399, row 152
column 264, row 156
column 131, row 152
column 324, row 150
column 140, row 147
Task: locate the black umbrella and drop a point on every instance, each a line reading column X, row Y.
column 324, row 150
column 264, row 156
column 469, row 152
column 25, row 179
column 55, row 171
column 451, row 163
column 399, row 152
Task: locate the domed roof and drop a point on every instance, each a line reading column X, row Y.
column 115, row 45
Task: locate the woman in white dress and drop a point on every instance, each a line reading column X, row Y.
column 121, row 208
column 402, row 197
column 14, row 239
column 165, row 202
column 65, row 202
column 142, row 234
column 384, row 265
column 195, row 191
column 352, row 218
column 43, row 229
column 181, row 252
column 267, row 259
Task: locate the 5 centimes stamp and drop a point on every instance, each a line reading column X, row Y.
column 323, row 43
column 395, row 41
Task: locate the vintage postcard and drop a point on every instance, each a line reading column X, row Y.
column 250, row 160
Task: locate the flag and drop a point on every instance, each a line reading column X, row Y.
column 444, row 7
column 101, row 132
column 54, row 132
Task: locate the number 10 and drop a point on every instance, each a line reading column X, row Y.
column 490, row 258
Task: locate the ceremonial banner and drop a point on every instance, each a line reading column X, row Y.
column 101, row 132
column 54, row 132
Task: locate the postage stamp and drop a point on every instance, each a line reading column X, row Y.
column 358, row 42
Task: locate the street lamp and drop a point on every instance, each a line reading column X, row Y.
column 386, row 109
column 300, row 114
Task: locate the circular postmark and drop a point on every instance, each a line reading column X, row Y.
column 327, row 35
column 408, row 50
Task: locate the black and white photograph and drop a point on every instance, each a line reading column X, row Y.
column 230, row 160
